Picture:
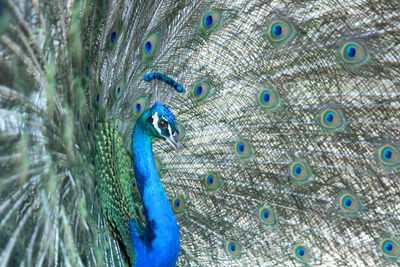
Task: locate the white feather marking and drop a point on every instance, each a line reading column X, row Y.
column 155, row 122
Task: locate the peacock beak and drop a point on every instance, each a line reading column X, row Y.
column 174, row 142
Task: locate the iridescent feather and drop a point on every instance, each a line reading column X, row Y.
column 289, row 128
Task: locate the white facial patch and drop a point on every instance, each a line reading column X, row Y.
column 155, row 122
column 169, row 130
column 155, row 125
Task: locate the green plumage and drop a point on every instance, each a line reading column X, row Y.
column 114, row 175
column 289, row 127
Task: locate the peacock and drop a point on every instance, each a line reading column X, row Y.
column 199, row 133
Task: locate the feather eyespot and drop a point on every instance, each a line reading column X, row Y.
column 331, row 120
column 280, row 31
column 201, row 90
column 198, row 90
column 268, row 99
column 97, row 96
column 349, row 203
column 178, row 204
column 150, row 45
column 353, row 53
column 243, row 149
column 300, row 172
column 118, row 89
column 139, row 106
column 267, row 216
column 277, row 30
column 212, row 181
column 88, row 127
column 233, row 248
column 389, row 247
column 388, row 156
column 134, row 186
column 350, row 52
column 210, row 20
column 301, row 253
column 118, row 124
column 181, row 132
column 113, row 37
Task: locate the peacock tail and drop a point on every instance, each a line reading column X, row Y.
column 290, row 130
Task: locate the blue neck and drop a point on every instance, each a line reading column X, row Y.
column 160, row 243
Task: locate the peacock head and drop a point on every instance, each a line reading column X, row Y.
column 159, row 122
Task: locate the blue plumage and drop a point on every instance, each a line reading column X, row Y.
column 159, row 245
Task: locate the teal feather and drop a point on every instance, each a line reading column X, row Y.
column 290, row 146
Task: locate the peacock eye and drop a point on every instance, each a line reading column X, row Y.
column 162, row 124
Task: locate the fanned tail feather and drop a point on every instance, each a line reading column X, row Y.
column 289, row 128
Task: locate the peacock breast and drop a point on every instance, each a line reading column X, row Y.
column 165, row 247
